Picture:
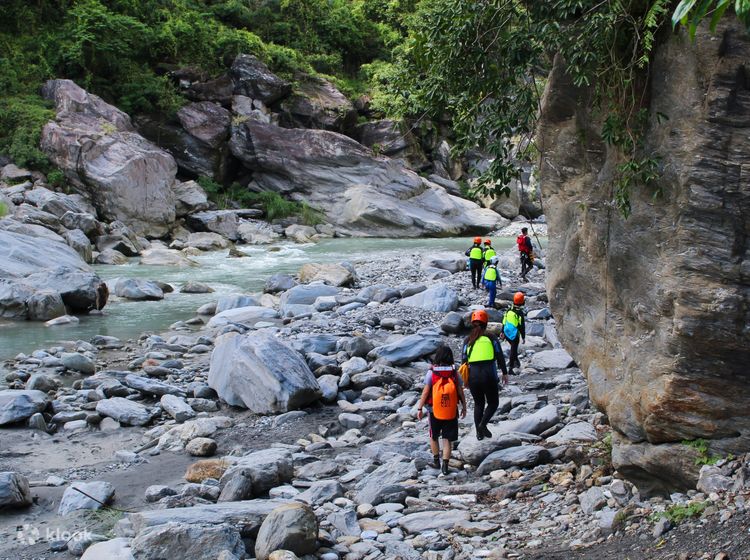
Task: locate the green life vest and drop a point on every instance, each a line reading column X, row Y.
column 476, row 253
column 490, row 274
column 482, row 350
column 489, row 253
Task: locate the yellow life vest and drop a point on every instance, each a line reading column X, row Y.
column 476, row 253
column 489, row 253
column 490, row 274
column 482, row 351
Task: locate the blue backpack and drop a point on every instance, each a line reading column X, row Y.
column 511, row 321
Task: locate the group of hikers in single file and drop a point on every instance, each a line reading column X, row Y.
column 481, row 357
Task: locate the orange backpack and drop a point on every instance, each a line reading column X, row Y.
column 444, row 393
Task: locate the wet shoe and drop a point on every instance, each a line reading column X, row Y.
column 435, row 462
column 487, row 432
column 444, row 469
column 480, row 433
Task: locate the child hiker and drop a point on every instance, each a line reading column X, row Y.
column 491, row 280
column 443, row 390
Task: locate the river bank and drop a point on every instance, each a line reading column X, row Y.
column 356, row 455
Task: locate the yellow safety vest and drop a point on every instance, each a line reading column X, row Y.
column 490, row 274
column 476, row 253
column 482, row 351
column 489, row 253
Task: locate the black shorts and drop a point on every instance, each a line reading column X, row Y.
column 447, row 429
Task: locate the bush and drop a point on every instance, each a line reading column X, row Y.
column 3, row 209
column 21, row 120
column 56, row 178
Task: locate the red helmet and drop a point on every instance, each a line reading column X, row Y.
column 477, row 240
column 519, row 298
column 487, row 242
column 479, row 315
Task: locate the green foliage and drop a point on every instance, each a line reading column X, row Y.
column 690, row 13
column 483, row 64
column 103, row 521
column 56, row 178
column 705, row 457
column 310, row 216
column 678, row 513
column 21, row 120
column 3, row 209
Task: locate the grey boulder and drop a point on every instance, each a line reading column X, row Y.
column 100, row 493
column 521, row 456
column 262, row 373
column 435, row 298
column 292, row 527
column 407, row 348
column 124, row 411
column 253, row 79
column 16, row 406
column 139, row 290
column 552, row 359
column 177, row 540
column 14, row 490
column 385, row 483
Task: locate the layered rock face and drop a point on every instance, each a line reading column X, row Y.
column 656, row 308
column 360, row 193
column 129, row 178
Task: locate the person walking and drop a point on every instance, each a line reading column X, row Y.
column 514, row 328
column 489, row 252
column 483, row 353
column 491, row 280
column 526, row 251
column 443, row 391
column 476, row 260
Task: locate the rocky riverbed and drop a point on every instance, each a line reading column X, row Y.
column 286, row 420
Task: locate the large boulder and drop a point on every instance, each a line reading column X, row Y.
column 262, row 373
column 16, row 406
column 317, row 103
column 177, row 540
column 125, row 411
column 30, row 264
column 292, row 527
column 253, row 79
column 99, row 494
column 136, row 289
column 206, row 121
column 385, row 483
column 361, row 194
column 128, row 178
column 390, row 138
column 248, row 315
column 655, row 307
column 256, row 473
column 190, row 198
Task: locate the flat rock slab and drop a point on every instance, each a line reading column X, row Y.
column 535, row 423
column 383, row 482
column 575, row 431
column 474, row 451
column 552, row 359
column 416, row 523
column 521, row 456
column 246, row 516
column 125, row 411
column 115, row 549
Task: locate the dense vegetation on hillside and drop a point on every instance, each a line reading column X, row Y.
column 121, row 49
column 483, row 62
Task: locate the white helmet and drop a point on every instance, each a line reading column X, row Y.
column 494, row 260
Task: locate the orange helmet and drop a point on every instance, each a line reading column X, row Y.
column 479, row 315
column 487, row 242
column 477, row 240
column 519, row 298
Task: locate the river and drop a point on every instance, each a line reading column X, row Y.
column 128, row 319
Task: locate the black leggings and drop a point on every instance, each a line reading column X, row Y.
column 476, row 272
column 513, row 360
column 526, row 265
column 483, row 386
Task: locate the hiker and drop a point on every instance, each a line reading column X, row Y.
column 491, row 280
column 476, row 259
column 483, row 353
column 514, row 328
column 443, row 390
column 526, row 251
column 489, row 252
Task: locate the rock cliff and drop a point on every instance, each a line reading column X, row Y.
column 655, row 308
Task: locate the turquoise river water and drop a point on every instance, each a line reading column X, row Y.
column 128, row 319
